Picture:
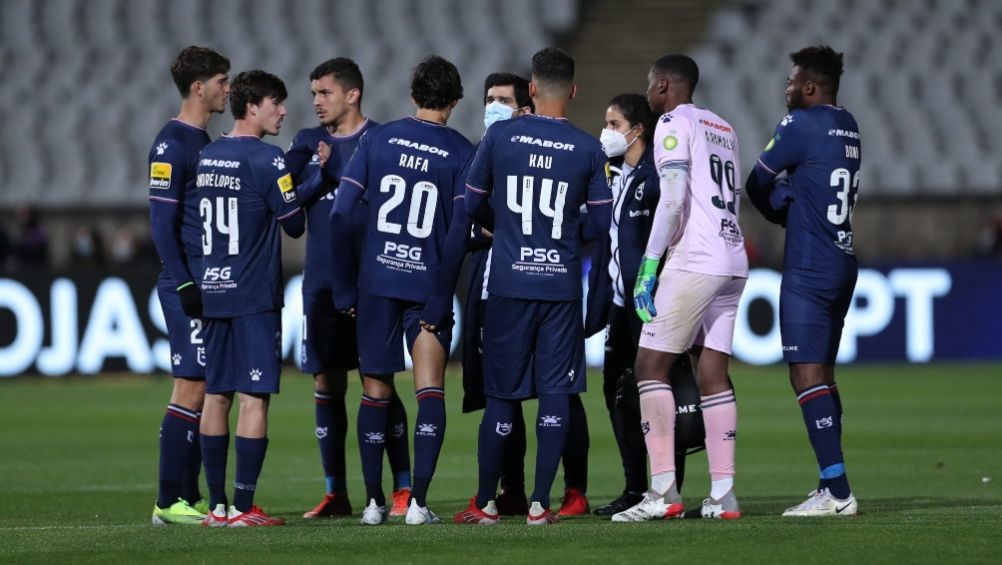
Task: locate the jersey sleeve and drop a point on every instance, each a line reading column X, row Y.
column 786, row 148
column 168, row 171
column 482, row 168
column 278, row 186
column 298, row 156
column 356, row 172
column 672, row 140
column 598, row 185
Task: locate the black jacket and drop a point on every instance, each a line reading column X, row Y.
column 635, row 220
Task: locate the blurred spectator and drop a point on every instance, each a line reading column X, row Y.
column 990, row 242
column 127, row 248
column 123, row 246
column 31, row 246
column 87, row 248
column 4, row 247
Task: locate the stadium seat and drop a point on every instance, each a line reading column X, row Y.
column 904, row 61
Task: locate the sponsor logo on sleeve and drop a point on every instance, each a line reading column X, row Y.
column 772, row 142
column 670, row 142
column 287, row 187
column 160, row 174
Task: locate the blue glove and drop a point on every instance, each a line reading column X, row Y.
column 643, row 290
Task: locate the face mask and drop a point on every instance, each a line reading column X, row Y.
column 495, row 112
column 614, row 143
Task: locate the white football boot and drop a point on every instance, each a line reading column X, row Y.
column 822, row 503
column 653, row 507
column 417, row 515
column 374, row 515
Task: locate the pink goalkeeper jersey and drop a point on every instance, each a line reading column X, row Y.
column 709, row 240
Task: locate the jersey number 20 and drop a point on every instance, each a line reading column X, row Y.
column 419, row 217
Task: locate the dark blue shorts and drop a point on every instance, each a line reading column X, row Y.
column 811, row 319
column 383, row 323
column 186, row 335
column 244, row 354
column 329, row 341
column 533, row 347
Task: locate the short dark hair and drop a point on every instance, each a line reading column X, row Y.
column 636, row 110
column 195, row 64
column 345, row 72
column 822, row 65
column 435, row 83
column 252, row 87
column 680, row 67
column 518, row 84
column 552, row 66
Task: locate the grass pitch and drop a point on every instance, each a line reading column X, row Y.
column 923, row 446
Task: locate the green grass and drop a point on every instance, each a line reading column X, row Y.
column 78, row 479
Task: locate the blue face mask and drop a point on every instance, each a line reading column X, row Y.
column 495, row 112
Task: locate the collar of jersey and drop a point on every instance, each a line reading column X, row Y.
column 228, row 136
column 184, row 123
column 430, row 123
column 548, row 118
column 357, row 131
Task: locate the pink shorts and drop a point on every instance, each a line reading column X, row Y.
column 693, row 308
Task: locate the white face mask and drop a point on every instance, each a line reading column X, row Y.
column 614, row 143
column 495, row 112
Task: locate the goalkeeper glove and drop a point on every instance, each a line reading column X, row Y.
column 643, row 290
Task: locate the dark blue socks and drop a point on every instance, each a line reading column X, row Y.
column 552, row 425
column 575, row 455
column 371, row 440
column 429, row 432
column 332, row 431
column 214, row 451
column 823, row 419
column 495, row 428
column 397, row 448
column 250, row 459
column 178, row 433
column 513, row 459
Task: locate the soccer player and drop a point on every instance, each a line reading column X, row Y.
column 817, row 145
column 541, row 170
column 316, row 158
column 245, row 192
column 416, row 231
column 696, row 223
column 200, row 75
column 506, row 95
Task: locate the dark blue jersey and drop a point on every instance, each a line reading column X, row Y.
column 540, row 171
column 305, row 167
column 819, row 149
column 409, row 170
column 244, row 191
column 172, row 162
